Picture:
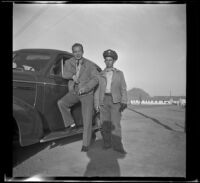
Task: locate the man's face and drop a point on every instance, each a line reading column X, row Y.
column 77, row 52
column 109, row 61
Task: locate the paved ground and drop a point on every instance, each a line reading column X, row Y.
column 153, row 136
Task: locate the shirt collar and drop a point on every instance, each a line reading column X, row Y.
column 81, row 61
column 109, row 69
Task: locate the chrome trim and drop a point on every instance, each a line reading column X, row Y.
column 37, row 82
column 53, row 84
column 35, row 95
column 34, row 82
column 24, row 87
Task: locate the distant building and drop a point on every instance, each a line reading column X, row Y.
column 179, row 102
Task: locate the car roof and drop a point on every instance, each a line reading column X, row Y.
column 48, row 51
column 43, row 50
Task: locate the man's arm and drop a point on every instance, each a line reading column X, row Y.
column 94, row 79
column 68, row 70
column 123, row 89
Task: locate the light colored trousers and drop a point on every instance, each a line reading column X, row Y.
column 66, row 102
column 110, row 117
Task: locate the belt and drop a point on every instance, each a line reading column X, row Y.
column 109, row 94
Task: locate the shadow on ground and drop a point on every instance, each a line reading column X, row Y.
column 20, row 154
column 103, row 163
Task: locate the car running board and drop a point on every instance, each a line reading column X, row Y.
column 62, row 134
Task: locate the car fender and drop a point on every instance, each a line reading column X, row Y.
column 28, row 121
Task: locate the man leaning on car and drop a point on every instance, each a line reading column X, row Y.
column 82, row 75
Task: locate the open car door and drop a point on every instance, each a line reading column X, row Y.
column 56, row 87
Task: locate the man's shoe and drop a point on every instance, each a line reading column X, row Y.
column 69, row 128
column 122, row 151
column 84, row 149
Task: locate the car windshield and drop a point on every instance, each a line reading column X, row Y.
column 30, row 61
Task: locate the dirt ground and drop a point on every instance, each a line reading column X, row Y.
column 153, row 137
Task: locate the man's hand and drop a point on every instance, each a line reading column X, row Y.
column 82, row 90
column 75, row 79
column 97, row 109
column 122, row 107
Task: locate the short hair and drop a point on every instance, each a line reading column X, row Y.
column 77, row 44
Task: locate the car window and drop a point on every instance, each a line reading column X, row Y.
column 57, row 68
column 30, row 61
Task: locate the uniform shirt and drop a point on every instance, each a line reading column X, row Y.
column 109, row 75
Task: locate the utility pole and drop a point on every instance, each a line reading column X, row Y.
column 171, row 100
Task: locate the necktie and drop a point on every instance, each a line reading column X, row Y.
column 78, row 67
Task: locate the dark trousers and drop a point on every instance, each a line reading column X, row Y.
column 66, row 102
column 110, row 123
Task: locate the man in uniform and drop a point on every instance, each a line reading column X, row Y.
column 111, row 100
column 82, row 75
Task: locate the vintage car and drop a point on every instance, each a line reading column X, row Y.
column 37, row 86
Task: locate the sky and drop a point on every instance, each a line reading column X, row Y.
column 150, row 39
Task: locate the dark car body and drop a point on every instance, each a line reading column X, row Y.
column 37, row 86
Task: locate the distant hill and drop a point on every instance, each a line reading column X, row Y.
column 137, row 94
column 140, row 94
